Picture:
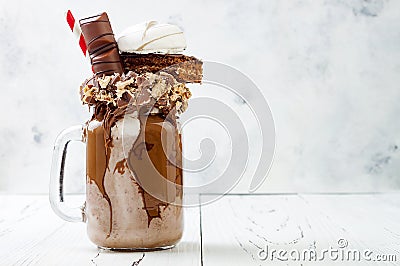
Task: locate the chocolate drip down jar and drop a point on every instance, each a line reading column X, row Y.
column 133, row 152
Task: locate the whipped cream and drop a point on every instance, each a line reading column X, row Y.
column 152, row 37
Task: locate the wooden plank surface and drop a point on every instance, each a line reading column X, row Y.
column 240, row 229
column 31, row 234
column 234, row 230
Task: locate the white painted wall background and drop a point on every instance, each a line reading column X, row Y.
column 329, row 69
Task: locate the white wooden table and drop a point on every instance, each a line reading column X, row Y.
column 235, row 230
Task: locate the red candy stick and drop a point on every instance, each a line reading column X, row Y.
column 76, row 30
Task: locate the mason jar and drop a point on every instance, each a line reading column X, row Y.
column 133, row 180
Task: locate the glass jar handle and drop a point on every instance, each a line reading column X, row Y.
column 56, row 195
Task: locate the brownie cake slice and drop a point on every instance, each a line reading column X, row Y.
column 183, row 68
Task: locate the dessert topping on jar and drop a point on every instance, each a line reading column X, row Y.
column 152, row 37
column 161, row 90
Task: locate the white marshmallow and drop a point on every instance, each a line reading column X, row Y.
column 152, row 37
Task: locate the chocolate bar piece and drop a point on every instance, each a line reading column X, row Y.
column 101, row 44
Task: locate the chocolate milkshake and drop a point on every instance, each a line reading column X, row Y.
column 134, row 151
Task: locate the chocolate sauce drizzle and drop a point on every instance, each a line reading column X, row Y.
column 99, row 154
column 148, row 141
column 147, row 160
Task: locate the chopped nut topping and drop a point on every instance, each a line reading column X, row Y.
column 122, row 84
column 159, row 88
column 103, row 82
column 118, row 90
